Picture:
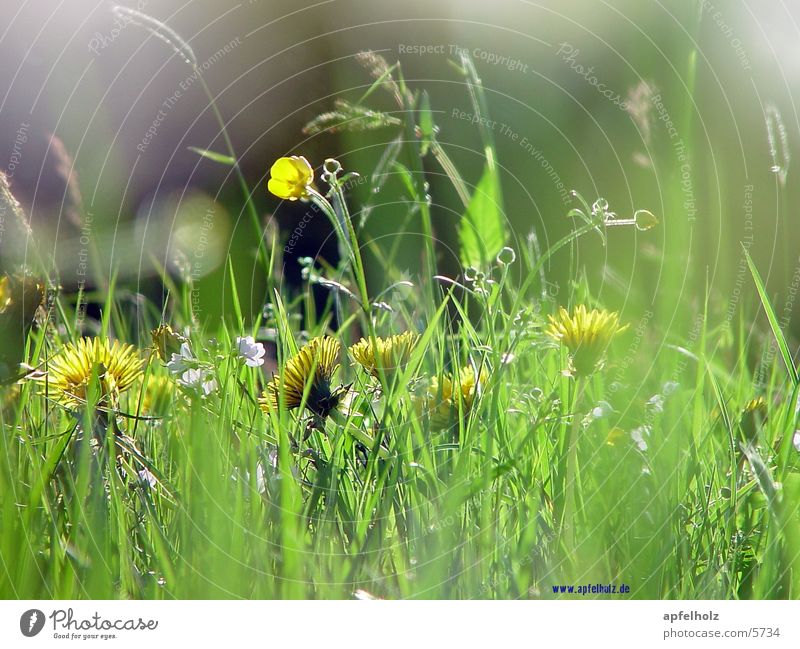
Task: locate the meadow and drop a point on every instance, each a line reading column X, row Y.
column 398, row 434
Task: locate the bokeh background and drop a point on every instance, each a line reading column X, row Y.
column 95, row 140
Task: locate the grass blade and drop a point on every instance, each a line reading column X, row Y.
column 773, row 320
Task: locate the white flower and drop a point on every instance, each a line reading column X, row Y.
column 602, row 409
column 796, row 440
column 669, row 387
column 182, row 361
column 190, row 371
column 638, row 436
column 199, row 379
column 251, row 351
column 147, row 479
column 656, row 403
column 261, row 479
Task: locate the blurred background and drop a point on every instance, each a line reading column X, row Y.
column 683, row 108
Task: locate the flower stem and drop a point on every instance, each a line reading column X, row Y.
column 568, row 517
column 247, row 194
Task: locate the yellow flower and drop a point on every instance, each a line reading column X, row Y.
column 442, row 398
column 158, row 397
column 757, row 405
column 117, row 367
column 290, row 178
column 166, row 341
column 318, row 356
column 586, row 334
column 388, row 354
column 614, row 435
column 754, row 414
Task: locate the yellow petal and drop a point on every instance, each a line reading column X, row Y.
column 294, row 170
column 282, row 189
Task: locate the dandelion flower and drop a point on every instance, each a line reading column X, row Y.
column 250, row 351
column 314, row 363
column 386, row 354
column 291, row 178
column 117, row 367
column 159, row 395
column 586, row 334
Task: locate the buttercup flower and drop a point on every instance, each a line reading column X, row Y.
column 586, row 334
column 290, row 178
column 388, row 354
column 315, row 362
column 250, row 351
column 614, row 436
column 117, row 366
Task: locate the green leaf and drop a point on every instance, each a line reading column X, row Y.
column 482, row 231
column 213, row 155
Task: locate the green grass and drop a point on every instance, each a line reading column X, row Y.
column 677, row 493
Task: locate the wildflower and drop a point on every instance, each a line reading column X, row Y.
column 386, row 354
column 314, row 363
column 796, row 440
column 198, row 378
column 443, row 397
column 147, row 479
column 251, row 351
column 166, row 341
column 754, row 414
column 656, row 403
column 757, row 405
column 159, row 392
column 117, row 366
column 291, row 178
column 601, row 410
column 639, row 435
column 614, row 436
column 586, row 334
column 182, row 360
column 190, row 371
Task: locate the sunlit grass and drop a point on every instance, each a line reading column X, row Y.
column 481, row 439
